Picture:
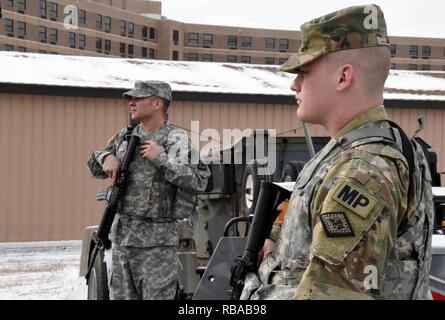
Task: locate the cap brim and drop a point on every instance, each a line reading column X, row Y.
column 134, row 93
column 297, row 60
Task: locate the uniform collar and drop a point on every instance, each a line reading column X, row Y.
column 142, row 131
column 372, row 115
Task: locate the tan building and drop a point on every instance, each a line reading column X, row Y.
column 52, row 120
column 137, row 29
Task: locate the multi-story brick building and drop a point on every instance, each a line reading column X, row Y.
column 137, row 29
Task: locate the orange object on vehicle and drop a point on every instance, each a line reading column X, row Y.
column 282, row 208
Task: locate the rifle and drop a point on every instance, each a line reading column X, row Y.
column 270, row 196
column 113, row 195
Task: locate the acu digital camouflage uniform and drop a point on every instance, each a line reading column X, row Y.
column 350, row 231
column 159, row 193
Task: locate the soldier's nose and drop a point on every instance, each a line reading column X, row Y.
column 295, row 85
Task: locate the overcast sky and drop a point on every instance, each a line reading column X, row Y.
column 425, row 18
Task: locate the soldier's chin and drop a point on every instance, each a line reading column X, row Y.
column 134, row 117
column 304, row 117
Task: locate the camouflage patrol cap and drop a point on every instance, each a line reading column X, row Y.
column 350, row 28
column 150, row 88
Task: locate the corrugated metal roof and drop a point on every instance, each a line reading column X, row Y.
column 81, row 71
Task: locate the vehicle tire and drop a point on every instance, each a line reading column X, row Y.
column 291, row 171
column 98, row 282
column 254, row 173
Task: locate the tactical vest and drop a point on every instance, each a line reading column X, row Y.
column 149, row 195
column 405, row 275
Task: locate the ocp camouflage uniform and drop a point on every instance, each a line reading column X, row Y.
column 350, row 231
column 144, row 231
column 355, row 201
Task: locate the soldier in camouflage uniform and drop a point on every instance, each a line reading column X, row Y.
column 165, row 176
column 352, row 229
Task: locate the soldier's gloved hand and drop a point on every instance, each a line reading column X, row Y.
column 150, row 150
column 111, row 166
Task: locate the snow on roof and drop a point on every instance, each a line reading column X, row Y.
column 98, row 72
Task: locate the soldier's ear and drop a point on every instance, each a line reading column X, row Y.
column 159, row 104
column 345, row 77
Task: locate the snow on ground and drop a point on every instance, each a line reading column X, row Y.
column 47, row 270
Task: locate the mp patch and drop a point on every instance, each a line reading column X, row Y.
column 336, row 224
column 354, row 198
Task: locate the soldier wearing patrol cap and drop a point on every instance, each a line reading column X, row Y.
column 352, row 229
column 162, row 189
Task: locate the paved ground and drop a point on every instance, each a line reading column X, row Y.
column 46, row 270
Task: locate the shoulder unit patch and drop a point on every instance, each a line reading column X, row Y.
column 354, row 198
column 336, row 224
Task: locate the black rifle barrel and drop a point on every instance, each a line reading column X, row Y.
column 269, row 198
column 117, row 193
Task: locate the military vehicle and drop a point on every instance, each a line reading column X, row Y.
column 210, row 241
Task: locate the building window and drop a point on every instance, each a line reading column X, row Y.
column 393, row 66
column 232, row 41
column 122, row 48
column 426, row 51
column 123, row 27
column 193, row 38
column 175, row 36
column 53, row 9
column 42, row 8
column 284, row 44
column 246, row 42
column 21, row 5
column 282, row 60
column 107, row 45
column 245, row 59
column 152, row 34
column 21, row 28
column 82, row 17
column 82, row 41
column 21, row 49
column 175, row 55
column 53, row 35
column 151, row 53
column 72, row 38
column 144, row 52
column 99, row 21
column 42, row 33
column 207, row 39
column 412, row 67
column 9, row 26
column 443, row 68
column 231, row 59
column 130, row 49
column 207, row 57
column 393, row 50
column 426, row 67
column 107, row 24
column 98, row 43
column 270, row 43
column 414, row 51
column 270, row 60
column 131, row 28
column 9, row 47
column 144, row 32
column 193, row 57
column 9, row 3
